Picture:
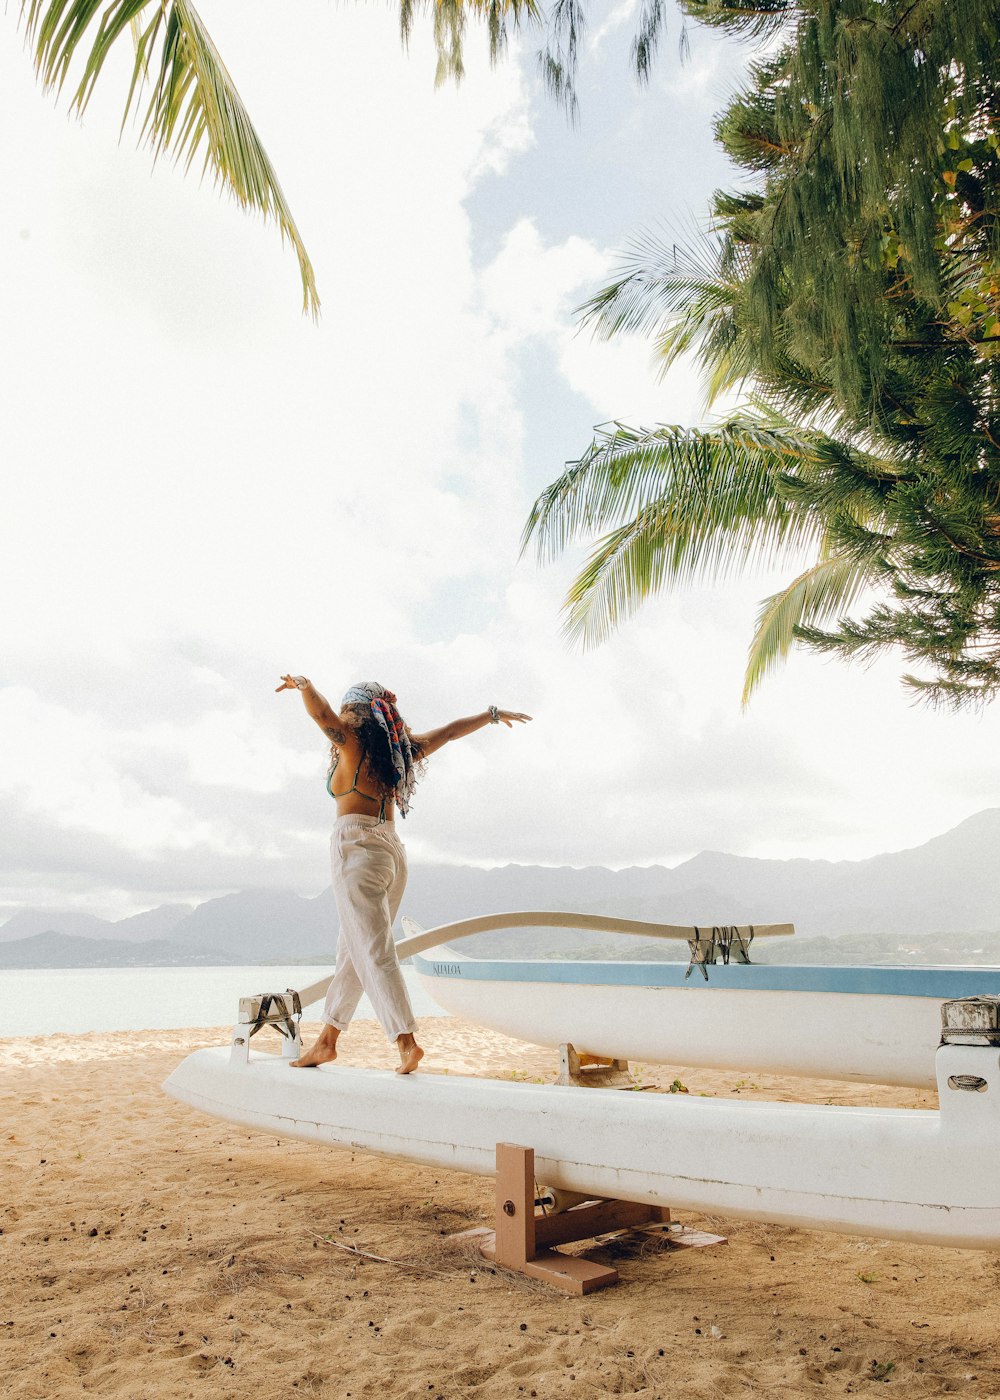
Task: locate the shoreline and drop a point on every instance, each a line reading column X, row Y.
column 151, row 1251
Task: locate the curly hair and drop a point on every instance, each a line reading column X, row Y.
column 376, row 755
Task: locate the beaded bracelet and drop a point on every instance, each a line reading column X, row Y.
column 494, row 715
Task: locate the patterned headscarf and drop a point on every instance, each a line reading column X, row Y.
column 383, row 706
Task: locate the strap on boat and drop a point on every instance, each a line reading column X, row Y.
column 735, row 944
column 699, row 955
column 725, row 939
column 275, row 1010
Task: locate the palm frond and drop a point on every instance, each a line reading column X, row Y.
column 497, row 13
column 657, row 274
column 824, row 591
column 676, row 506
column 558, row 60
column 715, row 485
column 754, row 18
column 647, row 37
column 680, row 292
column 625, row 569
column 194, row 107
column 449, row 35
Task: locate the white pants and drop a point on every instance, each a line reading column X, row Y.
column 369, row 875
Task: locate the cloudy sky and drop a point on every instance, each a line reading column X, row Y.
column 203, row 489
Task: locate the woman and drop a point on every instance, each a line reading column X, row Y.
column 369, row 739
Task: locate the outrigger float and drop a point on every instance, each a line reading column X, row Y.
column 617, row 1159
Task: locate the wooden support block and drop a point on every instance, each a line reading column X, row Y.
column 523, row 1241
column 570, row 1273
column 516, row 1243
column 584, row 1222
column 515, row 1205
column 592, row 1071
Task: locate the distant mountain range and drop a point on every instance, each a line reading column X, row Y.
column 138, row 928
column 947, row 887
column 67, row 950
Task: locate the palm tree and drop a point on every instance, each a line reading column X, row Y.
column 856, row 291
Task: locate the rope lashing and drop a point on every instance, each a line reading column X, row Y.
column 725, row 939
column 277, row 1010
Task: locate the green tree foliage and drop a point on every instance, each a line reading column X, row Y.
column 852, row 284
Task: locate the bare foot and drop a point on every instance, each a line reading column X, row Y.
column 322, row 1052
column 410, row 1054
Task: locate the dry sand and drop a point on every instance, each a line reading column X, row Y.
column 150, row 1252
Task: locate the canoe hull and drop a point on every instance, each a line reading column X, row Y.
column 862, row 1036
column 897, row 1173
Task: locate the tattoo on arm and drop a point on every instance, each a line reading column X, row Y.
column 336, row 736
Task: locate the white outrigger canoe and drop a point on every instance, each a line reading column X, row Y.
column 916, row 1174
column 864, row 1024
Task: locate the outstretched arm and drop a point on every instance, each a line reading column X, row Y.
column 317, row 706
column 459, row 728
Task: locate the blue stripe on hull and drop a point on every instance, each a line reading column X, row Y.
column 941, row 983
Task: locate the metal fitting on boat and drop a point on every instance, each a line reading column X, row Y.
column 554, row 1201
column 972, row 1083
column 971, row 1021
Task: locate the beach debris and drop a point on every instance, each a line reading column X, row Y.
column 379, row 1258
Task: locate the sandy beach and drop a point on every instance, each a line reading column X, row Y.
column 151, row 1252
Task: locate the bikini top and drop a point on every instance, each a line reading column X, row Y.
column 354, row 788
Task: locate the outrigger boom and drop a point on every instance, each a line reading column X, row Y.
column 419, row 940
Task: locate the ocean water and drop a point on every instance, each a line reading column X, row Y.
column 42, row 1001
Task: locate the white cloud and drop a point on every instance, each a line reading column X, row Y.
column 616, row 18
column 532, row 289
column 72, row 770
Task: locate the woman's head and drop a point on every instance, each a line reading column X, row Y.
column 385, row 739
column 365, row 692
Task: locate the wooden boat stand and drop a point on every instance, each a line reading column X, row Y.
column 592, row 1071
column 524, row 1240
